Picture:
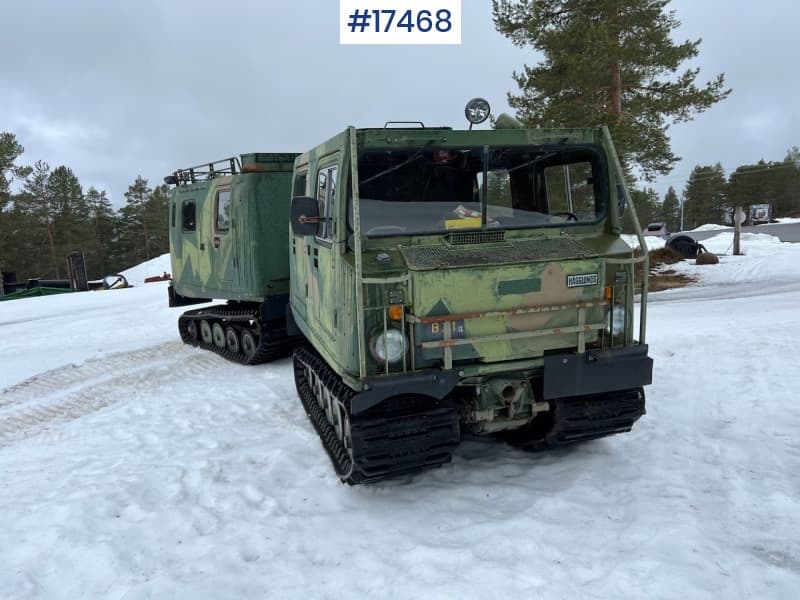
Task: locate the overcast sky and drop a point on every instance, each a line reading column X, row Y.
column 118, row 89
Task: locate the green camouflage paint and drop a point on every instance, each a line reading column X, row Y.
column 248, row 261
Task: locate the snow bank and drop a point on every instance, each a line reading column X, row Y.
column 759, row 244
column 652, row 242
column 151, row 268
column 710, row 227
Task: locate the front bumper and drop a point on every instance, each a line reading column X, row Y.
column 564, row 375
column 596, row 371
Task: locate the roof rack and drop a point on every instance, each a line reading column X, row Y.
column 204, row 172
column 419, row 123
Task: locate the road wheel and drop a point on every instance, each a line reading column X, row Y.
column 249, row 344
column 191, row 328
column 232, row 340
column 205, row 332
column 219, row 335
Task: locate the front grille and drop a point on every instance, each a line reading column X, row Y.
column 425, row 258
column 476, row 237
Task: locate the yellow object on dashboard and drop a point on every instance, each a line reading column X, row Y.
column 468, row 223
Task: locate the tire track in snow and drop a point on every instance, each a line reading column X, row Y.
column 67, row 393
column 72, row 376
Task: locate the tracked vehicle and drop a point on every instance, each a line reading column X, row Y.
column 431, row 282
column 229, row 241
column 463, row 281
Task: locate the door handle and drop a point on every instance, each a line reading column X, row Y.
column 216, row 242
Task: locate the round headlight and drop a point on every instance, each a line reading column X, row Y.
column 389, row 346
column 619, row 320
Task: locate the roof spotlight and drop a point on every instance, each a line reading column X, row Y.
column 477, row 111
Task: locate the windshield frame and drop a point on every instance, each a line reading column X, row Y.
column 592, row 153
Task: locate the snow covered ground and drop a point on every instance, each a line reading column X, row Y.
column 768, row 266
column 133, row 466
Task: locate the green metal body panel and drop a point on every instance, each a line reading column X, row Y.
column 481, row 308
column 249, row 260
column 33, row 292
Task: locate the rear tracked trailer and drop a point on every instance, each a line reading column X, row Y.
column 228, row 240
column 439, row 281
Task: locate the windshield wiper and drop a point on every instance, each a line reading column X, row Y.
column 533, row 162
column 416, row 156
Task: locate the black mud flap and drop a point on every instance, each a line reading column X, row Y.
column 274, row 307
column 596, row 372
column 175, row 299
column 436, row 384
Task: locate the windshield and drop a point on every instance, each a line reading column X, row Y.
column 434, row 189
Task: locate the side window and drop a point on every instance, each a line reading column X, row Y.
column 322, row 195
column 223, row 218
column 299, row 187
column 326, row 190
column 188, row 213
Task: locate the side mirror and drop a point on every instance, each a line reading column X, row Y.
column 305, row 215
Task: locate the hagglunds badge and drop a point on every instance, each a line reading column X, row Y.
column 581, row 280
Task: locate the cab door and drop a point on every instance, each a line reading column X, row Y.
column 186, row 242
column 321, row 254
column 222, row 250
column 298, row 277
column 175, row 240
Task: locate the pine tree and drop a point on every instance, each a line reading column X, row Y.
column 609, row 62
column 156, row 214
column 69, row 214
column 706, row 197
column 671, row 210
column 99, row 247
column 773, row 183
column 792, row 182
column 648, row 205
column 36, row 205
column 15, row 241
column 748, row 184
column 135, row 223
column 10, row 150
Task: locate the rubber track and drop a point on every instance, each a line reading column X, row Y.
column 270, row 346
column 398, row 437
column 583, row 418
